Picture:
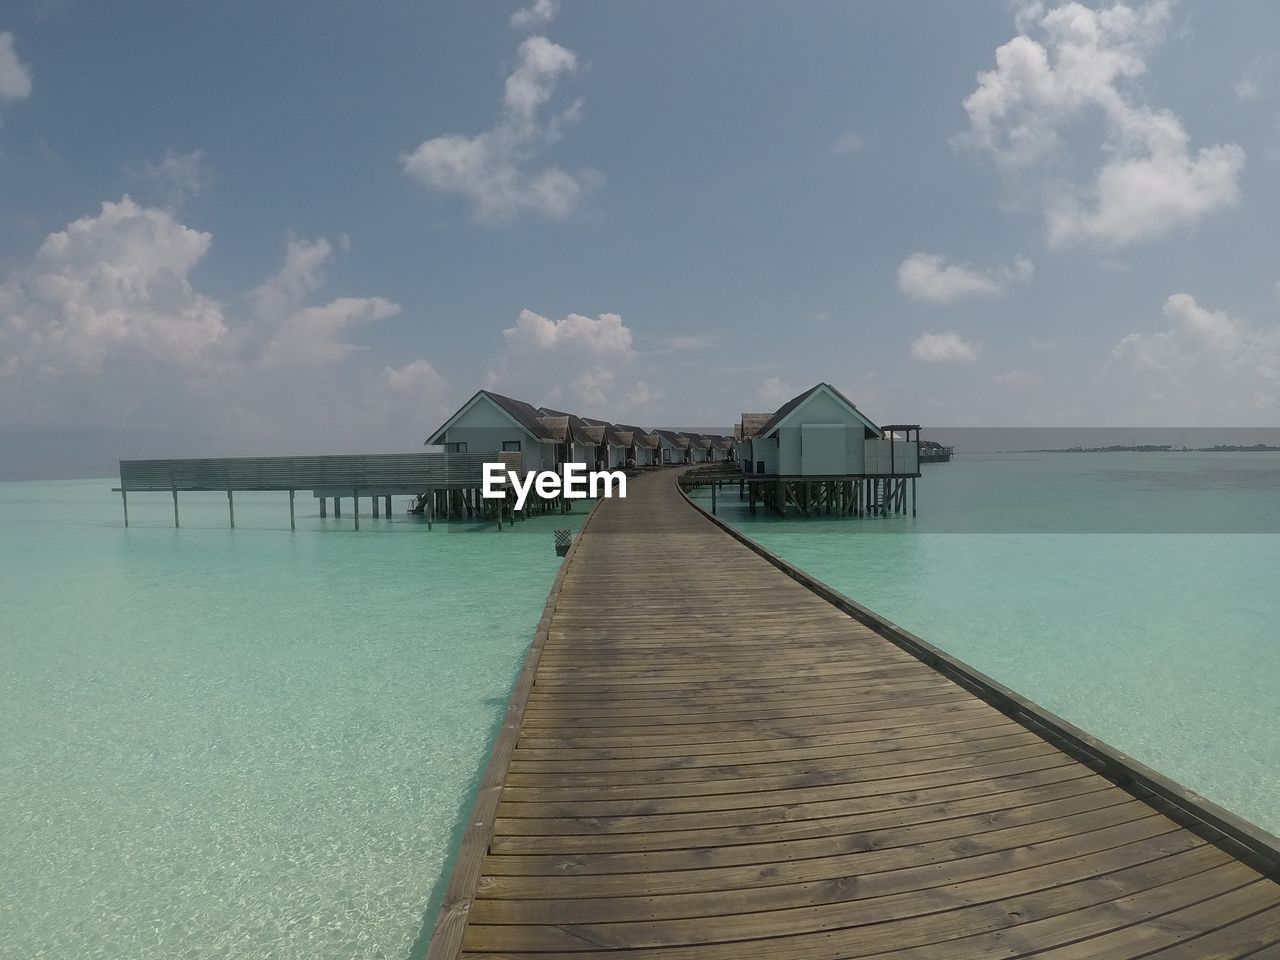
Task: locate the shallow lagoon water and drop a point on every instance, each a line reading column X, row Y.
column 249, row 743
column 258, row 743
column 1164, row 644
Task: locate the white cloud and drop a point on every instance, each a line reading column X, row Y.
column 943, row 348
column 15, row 76
column 533, row 82
column 299, row 276
column 179, row 175
column 111, row 283
column 775, row 391
column 316, row 337
column 490, row 168
column 606, row 334
column 576, row 359
column 593, row 386
column 1067, row 65
column 928, row 277
column 417, row 381
column 1198, row 335
column 537, row 14
column 1247, row 88
column 641, row 395
column 850, row 142
column 104, row 334
column 1206, row 359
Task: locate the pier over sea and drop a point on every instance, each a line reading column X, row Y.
column 708, row 754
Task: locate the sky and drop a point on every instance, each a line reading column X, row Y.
column 246, row 228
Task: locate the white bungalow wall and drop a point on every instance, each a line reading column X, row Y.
column 904, row 457
column 827, row 414
column 485, row 427
column 765, row 450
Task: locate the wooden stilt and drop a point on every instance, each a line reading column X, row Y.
column 293, row 523
column 337, row 508
column 913, row 496
column 231, row 509
column 355, row 507
column 388, row 506
column 324, row 510
column 713, row 498
column 175, row 507
column 124, row 501
column 375, row 508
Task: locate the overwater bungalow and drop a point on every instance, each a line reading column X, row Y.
column 585, row 438
column 699, row 448
column 615, row 449
column 645, row 445
column 492, row 422
column 819, row 451
column 673, row 447
column 724, row 449
column 747, row 428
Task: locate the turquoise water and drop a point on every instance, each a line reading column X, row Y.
column 1165, row 645
column 251, row 743
column 258, row 743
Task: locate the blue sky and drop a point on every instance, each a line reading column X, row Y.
column 244, row 228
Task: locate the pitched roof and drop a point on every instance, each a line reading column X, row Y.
column 557, row 427
column 590, row 433
column 787, row 408
column 674, row 438
column 581, row 430
column 752, row 422
column 698, row 441
column 525, row 414
column 647, row 440
column 615, row 434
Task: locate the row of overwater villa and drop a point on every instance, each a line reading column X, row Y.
column 817, row 452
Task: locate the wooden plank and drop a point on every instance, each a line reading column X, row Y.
column 715, row 759
column 446, row 938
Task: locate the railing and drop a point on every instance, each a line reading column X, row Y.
column 367, row 472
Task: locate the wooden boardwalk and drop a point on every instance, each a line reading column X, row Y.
column 705, row 759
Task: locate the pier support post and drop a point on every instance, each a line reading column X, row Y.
column 375, row 508
column 388, row 506
column 324, row 507
column 913, row 496
column 293, row 524
column 231, row 510
column 713, row 498
column 175, row 508
column 355, row 507
column 337, row 508
column 124, row 501
column 431, row 507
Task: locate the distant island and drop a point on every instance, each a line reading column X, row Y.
column 1162, row 448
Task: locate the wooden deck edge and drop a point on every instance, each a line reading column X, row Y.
column 1243, row 840
column 446, row 937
